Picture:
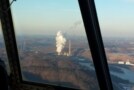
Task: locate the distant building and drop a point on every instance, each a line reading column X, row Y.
column 121, row 62
column 128, row 63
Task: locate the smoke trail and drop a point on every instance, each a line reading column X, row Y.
column 60, row 42
column 76, row 24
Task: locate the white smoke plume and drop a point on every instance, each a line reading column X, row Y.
column 60, row 42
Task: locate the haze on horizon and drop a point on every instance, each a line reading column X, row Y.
column 47, row 17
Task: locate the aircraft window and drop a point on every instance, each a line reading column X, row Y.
column 116, row 18
column 3, row 54
column 52, row 44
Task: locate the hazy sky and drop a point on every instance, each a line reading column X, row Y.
column 116, row 17
column 47, row 17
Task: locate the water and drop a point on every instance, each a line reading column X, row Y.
column 126, row 75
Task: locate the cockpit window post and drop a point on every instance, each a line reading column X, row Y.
column 95, row 40
column 10, row 42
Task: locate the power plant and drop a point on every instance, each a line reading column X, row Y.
column 60, row 44
column 69, row 49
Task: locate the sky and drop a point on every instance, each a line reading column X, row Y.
column 116, row 17
column 47, row 17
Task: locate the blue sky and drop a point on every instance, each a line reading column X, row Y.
column 116, row 17
column 47, row 16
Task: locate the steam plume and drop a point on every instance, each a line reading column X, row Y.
column 60, row 42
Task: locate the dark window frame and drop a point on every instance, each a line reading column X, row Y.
column 91, row 23
column 92, row 28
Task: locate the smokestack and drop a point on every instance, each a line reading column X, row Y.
column 69, row 52
column 23, row 45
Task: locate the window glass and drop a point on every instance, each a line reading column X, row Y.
column 116, row 19
column 52, row 44
column 3, row 54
